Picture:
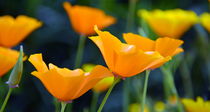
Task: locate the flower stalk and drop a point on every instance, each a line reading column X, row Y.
column 145, row 90
column 63, row 106
column 117, row 79
column 6, row 100
column 80, row 51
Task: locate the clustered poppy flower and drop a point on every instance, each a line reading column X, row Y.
column 64, row 84
column 84, row 18
column 205, row 20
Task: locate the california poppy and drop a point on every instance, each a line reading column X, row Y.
column 205, row 20
column 8, row 58
column 64, row 84
column 14, row 30
column 84, row 18
column 196, row 106
column 169, row 23
column 123, row 60
column 167, row 47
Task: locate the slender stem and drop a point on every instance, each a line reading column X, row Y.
column 6, row 99
column 94, row 101
column 170, row 86
column 131, row 14
column 126, row 95
column 107, row 94
column 57, row 105
column 186, row 79
column 145, row 90
column 80, row 51
column 63, row 106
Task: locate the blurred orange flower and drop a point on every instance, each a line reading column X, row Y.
column 124, row 60
column 170, row 23
column 8, row 58
column 65, row 84
column 12, row 30
column 205, row 20
column 167, row 47
column 84, row 18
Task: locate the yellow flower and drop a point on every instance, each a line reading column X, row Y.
column 8, row 58
column 102, row 85
column 167, row 47
column 169, row 23
column 14, row 30
column 196, row 106
column 124, row 60
column 205, row 20
column 84, row 18
column 135, row 107
column 159, row 106
column 65, row 84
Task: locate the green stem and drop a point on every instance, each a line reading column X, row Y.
column 131, row 14
column 57, row 105
column 169, row 86
column 186, row 79
column 94, row 101
column 6, row 99
column 63, row 106
column 80, row 51
column 126, row 95
column 145, row 90
column 107, row 94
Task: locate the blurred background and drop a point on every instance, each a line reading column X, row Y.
column 57, row 41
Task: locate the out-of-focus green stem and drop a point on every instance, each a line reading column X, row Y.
column 94, row 101
column 169, row 86
column 80, row 51
column 126, row 95
column 108, row 93
column 63, row 106
column 6, row 100
column 57, row 105
column 186, row 79
column 145, row 90
column 131, row 15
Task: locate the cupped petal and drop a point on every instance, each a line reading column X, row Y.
column 37, row 61
column 8, row 58
column 167, row 46
column 160, row 62
column 15, row 30
column 84, row 18
column 140, row 42
column 133, row 64
column 91, row 79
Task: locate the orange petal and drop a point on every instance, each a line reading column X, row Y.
column 161, row 62
column 177, row 51
column 37, row 61
column 13, row 31
column 140, row 42
column 167, row 46
column 8, row 58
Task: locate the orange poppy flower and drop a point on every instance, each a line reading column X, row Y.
column 124, row 60
column 167, row 47
column 170, row 23
column 84, row 18
column 8, row 58
column 14, row 30
column 65, row 84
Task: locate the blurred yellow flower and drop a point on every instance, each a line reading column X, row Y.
column 205, row 20
column 196, row 106
column 64, row 84
column 14, row 30
column 102, row 85
column 84, row 18
column 124, row 60
column 8, row 58
column 167, row 47
column 135, row 107
column 159, row 106
column 169, row 23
